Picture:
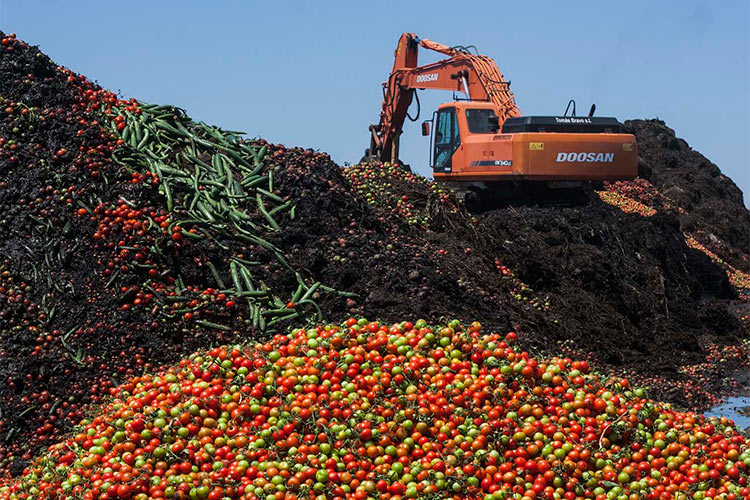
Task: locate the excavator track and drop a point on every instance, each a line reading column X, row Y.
column 484, row 196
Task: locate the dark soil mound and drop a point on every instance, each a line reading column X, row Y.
column 106, row 271
column 713, row 204
column 625, row 287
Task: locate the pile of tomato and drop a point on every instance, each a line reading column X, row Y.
column 636, row 196
column 387, row 186
column 365, row 410
column 643, row 192
column 626, row 204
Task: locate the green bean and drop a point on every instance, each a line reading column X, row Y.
column 209, row 324
column 310, row 291
column 247, row 184
column 271, row 195
column 236, row 215
column 212, row 131
column 84, row 206
column 137, row 132
column 143, row 140
column 205, row 211
column 244, row 163
column 238, row 191
column 154, row 155
column 195, row 159
column 256, row 316
column 168, row 194
column 253, row 293
column 185, row 222
column 128, row 202
column 216, row 274
column 173, row 171
column 268, row 217
column 339, row 292
column 258, row 241
column 298, row 293
column 248, row 262
column 279, row 208
column 216, row 163
column 287, row 317
column 235, row 276
column 257, row 169
column 281, row 259
column 194, row 200
column 230, row 179
column 192, row 235
column 247, row 278
column 275, row 312
column 196, row 177
column 112, row 279
column 223, row 206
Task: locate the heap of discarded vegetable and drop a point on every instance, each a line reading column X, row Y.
column 133, row 236
column 396, row 189
column 218, row 189
column 365, row 410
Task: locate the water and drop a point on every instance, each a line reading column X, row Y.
column 731, row 409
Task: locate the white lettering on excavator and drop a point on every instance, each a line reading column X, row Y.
column 586, row 157
column 429, row 77
column 565, row 119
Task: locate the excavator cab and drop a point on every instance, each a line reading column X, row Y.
column 456, row 124
column 448, row 132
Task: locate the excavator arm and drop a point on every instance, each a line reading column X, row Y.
column 476, row 75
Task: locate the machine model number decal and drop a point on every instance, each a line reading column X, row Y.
column 492, row 163
column 586, row 157
column 429, row 77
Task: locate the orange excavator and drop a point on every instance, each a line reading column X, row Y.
column 481, row 143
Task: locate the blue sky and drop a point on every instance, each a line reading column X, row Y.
column 309, row 73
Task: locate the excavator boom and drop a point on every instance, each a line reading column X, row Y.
column 475, row 75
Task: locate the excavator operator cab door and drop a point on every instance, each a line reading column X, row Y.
column 446, row 139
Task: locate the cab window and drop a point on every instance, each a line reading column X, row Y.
column 481, row 121
column 447, row 138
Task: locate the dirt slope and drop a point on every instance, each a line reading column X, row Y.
column 714, row 204
column 106, row 272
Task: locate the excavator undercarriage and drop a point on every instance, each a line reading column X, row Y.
column 483, row 196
